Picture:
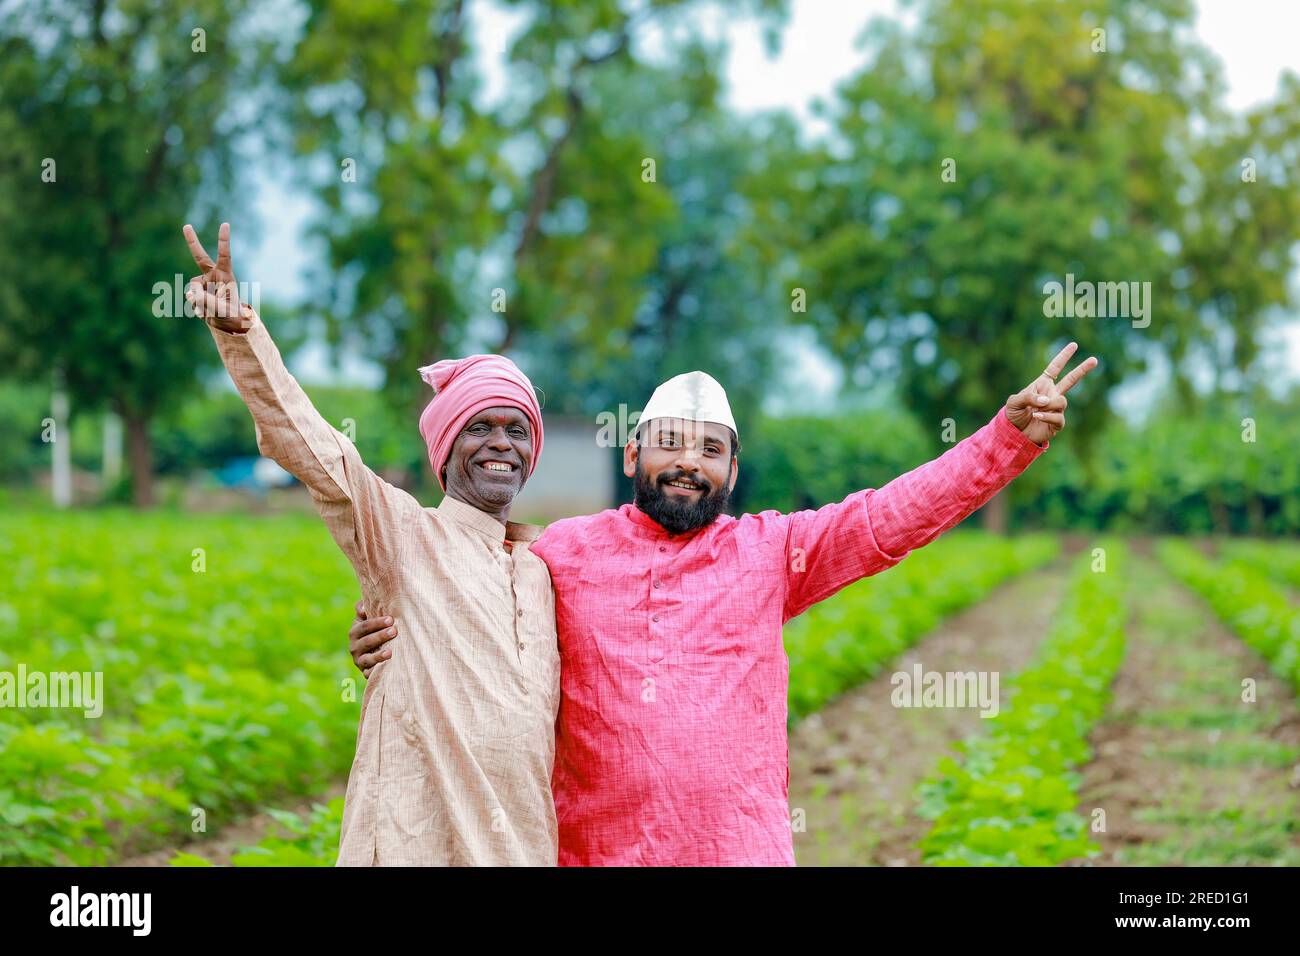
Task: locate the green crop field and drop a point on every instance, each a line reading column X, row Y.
column 223, row 652
column 228, row 694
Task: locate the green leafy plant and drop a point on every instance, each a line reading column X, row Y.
column 1010, row 800
column 1259, row 611
column 225, row 676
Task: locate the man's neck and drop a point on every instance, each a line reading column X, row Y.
column 501, row 514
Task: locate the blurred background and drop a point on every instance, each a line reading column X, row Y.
column 849, row 214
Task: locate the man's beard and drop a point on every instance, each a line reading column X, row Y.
column 678, row 515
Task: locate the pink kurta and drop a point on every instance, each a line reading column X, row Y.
column 671, row 744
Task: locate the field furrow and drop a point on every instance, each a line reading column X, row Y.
column 1186, row 771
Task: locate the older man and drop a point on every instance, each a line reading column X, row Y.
column 456, row 742
column 671, row 743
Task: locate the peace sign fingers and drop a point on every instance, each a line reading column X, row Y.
column 223, row 248
column 215, row 294
column 201, row 257
column 1057, row 365
column 1079, row 371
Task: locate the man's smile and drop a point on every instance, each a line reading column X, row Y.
column 682, row 486
column 496, row 468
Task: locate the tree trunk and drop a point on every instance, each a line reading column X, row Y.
column 1255, row 513
column 139, row 451
column 994, row 513
column 1219, row 517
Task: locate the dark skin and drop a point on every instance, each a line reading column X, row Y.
column 498, row 434
column 501, row 435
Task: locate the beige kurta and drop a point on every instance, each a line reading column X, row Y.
column 457, row 736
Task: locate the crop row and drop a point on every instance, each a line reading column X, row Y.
column 1011, row 799
column 1279, row 560
column 848, row 639
column 1259, row 610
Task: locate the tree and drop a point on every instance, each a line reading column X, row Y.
column 483, row 227
column 1005, row 144
column 115, row 124
column 698, row 294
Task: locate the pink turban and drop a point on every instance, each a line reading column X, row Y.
column 464, row 388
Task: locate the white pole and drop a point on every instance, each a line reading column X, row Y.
column 112, row 469
column 60, row 449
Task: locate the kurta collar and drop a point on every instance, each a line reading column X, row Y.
column 471, row 517
column 648, row 524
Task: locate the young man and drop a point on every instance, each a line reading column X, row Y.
column 456, row 741
column 671, row 743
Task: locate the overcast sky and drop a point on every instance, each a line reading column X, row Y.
column 1254, row 39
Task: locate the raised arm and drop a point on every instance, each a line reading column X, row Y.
column 365, row 514
column 872, row 530
column 915, row 508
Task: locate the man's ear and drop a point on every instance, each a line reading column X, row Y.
column 735, row 473
column 630, row 452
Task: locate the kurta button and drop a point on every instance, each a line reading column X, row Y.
column 655, row 618
column 659, row 584
column 662, row 548
column 521, row 647
column 521, row 612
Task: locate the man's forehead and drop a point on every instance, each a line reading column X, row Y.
column 499, row 414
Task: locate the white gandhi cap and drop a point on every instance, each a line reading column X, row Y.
column 694, row 396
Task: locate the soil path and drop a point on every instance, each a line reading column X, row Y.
column 855, row 764
column 1185, row 770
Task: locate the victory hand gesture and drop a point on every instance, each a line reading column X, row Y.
column 215, row 294
column 1038, row 409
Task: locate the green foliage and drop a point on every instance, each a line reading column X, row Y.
column 1180, row 472
column 23, row 409
column 805, row 461
column 207, row 432
column 1262, row 613
column 1112, row 166
column 845, row 641
column 1279, row 560
column 308, row 839
column 136, row 124
column 1010, row 801
column 223, row 690
column 687, row 292
column 537, row 196
column 1185, row 472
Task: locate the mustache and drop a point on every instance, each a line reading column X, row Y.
column 673, row 513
